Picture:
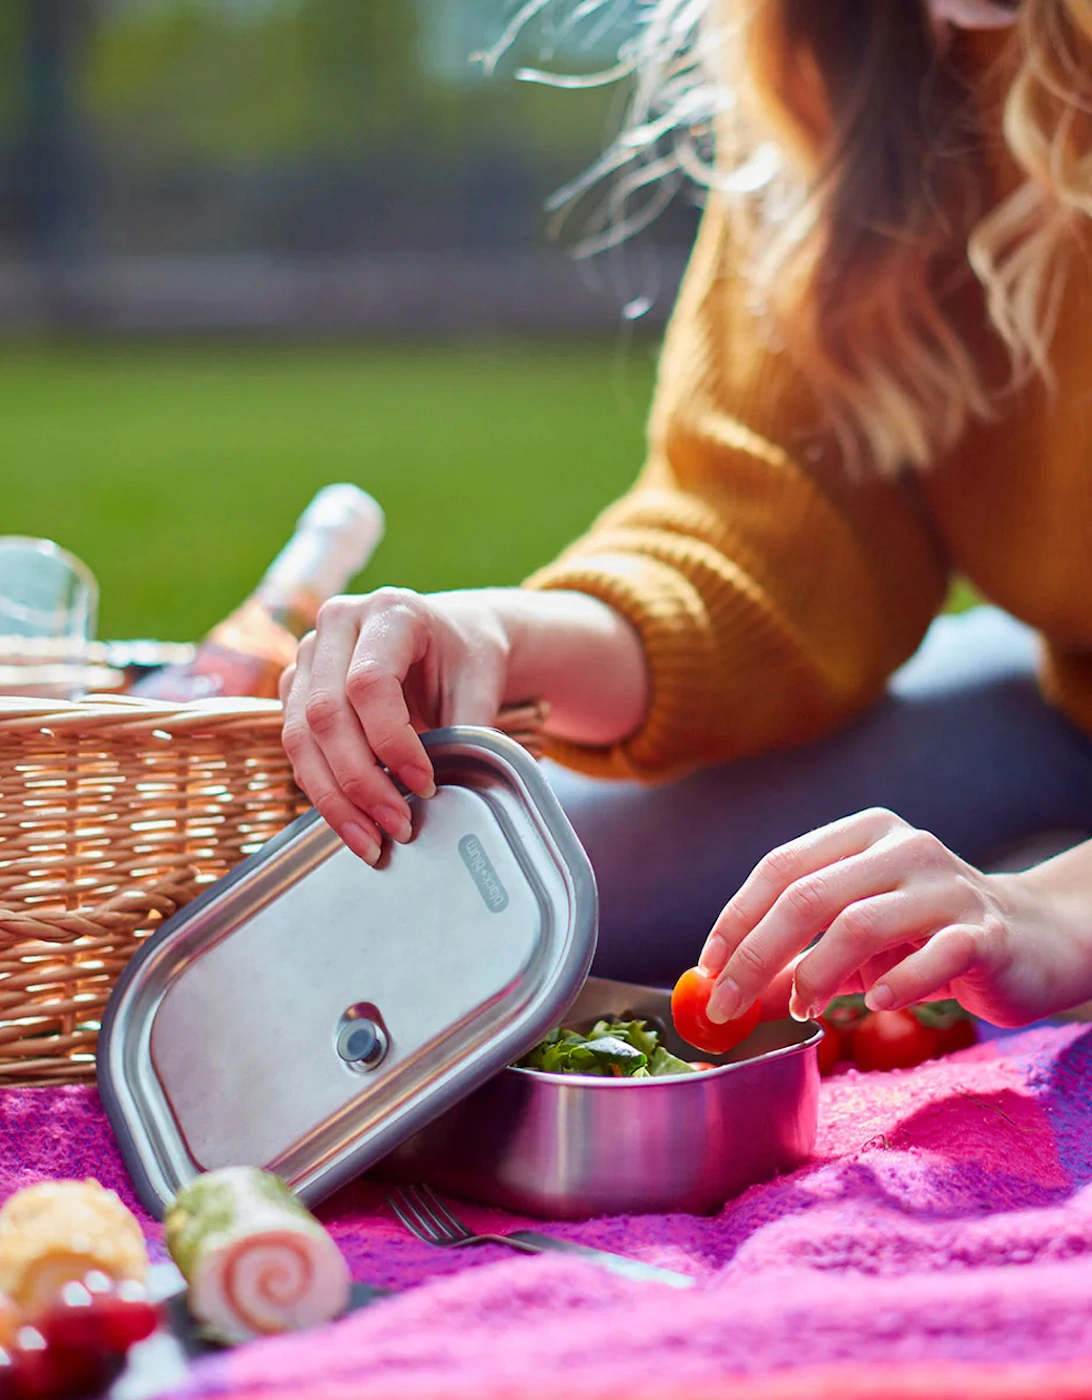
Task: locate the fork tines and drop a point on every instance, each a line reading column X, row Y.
column 424, row 1215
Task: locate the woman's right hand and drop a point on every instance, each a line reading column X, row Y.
column 377, row 671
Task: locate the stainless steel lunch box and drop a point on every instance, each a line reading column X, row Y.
column 319, row 1018
column 570, row 1146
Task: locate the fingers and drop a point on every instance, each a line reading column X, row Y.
column 800, row 889
column 805, row 910
column 948, row 955
column 313, row 773
column 356, row 826
column 857, row 938
column 375, row 671
column 331, row 725
column 392, row 636
column 776, row 995
column 288, row 675
column 781, row 869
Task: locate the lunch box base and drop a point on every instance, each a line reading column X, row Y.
column 570, row 1147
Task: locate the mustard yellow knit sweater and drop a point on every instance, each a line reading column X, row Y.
column 774, row 592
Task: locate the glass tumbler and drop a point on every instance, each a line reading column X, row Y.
column 48, row 614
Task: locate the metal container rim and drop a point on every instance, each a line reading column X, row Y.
column 589, row 1081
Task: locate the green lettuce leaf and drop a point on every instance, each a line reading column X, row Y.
column 635, row 1033
column 629, row 1048
column 664, row 1062
column 551, row 1050
column 569, row 1053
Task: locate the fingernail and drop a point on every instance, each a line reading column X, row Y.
column 420, row 781
column 714, row 954
column 880, row 998
column 360, row 840
column 797, row 1009
column 395, row 824
column 724, row 1003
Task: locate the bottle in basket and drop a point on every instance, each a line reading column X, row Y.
column 246, row 653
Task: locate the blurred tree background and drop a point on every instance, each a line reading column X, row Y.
column 147, row 135
column 251, row 246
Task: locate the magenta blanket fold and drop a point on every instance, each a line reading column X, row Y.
column 946, row 1220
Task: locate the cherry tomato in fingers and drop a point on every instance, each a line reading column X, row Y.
column 892, row 1040
column 830, row 1048
column 690, row 1012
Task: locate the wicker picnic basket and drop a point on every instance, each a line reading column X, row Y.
column 114, row 813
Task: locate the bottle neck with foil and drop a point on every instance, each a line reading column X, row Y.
column 336, row 536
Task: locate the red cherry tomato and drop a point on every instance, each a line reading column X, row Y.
column 844, row 1015
column 701, row 1065
column 689, row 1011
column 951, row 1025
column 830, row 1048
column 892, row 1040
column 960, row 1035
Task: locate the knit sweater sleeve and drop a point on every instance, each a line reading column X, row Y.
column 774, row 590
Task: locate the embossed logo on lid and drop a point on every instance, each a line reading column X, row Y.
column 485, row 877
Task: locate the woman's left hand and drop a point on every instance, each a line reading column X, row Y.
column 901, row 919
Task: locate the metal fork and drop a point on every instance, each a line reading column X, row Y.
column 423, row 1214
column 426, row 1217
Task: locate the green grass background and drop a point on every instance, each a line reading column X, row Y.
column 177, row 472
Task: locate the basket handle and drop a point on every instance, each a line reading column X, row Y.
column 525, row 723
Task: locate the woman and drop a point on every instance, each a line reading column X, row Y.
column 877, row 374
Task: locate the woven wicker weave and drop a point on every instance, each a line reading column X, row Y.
column 113, row 814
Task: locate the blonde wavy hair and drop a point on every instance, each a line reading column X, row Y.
column 851, row 155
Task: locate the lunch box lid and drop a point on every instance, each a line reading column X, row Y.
column 308, row 1013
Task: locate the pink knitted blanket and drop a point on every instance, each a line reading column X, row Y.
column 939, row 1244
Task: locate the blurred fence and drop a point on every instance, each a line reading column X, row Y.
column 294, row 165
